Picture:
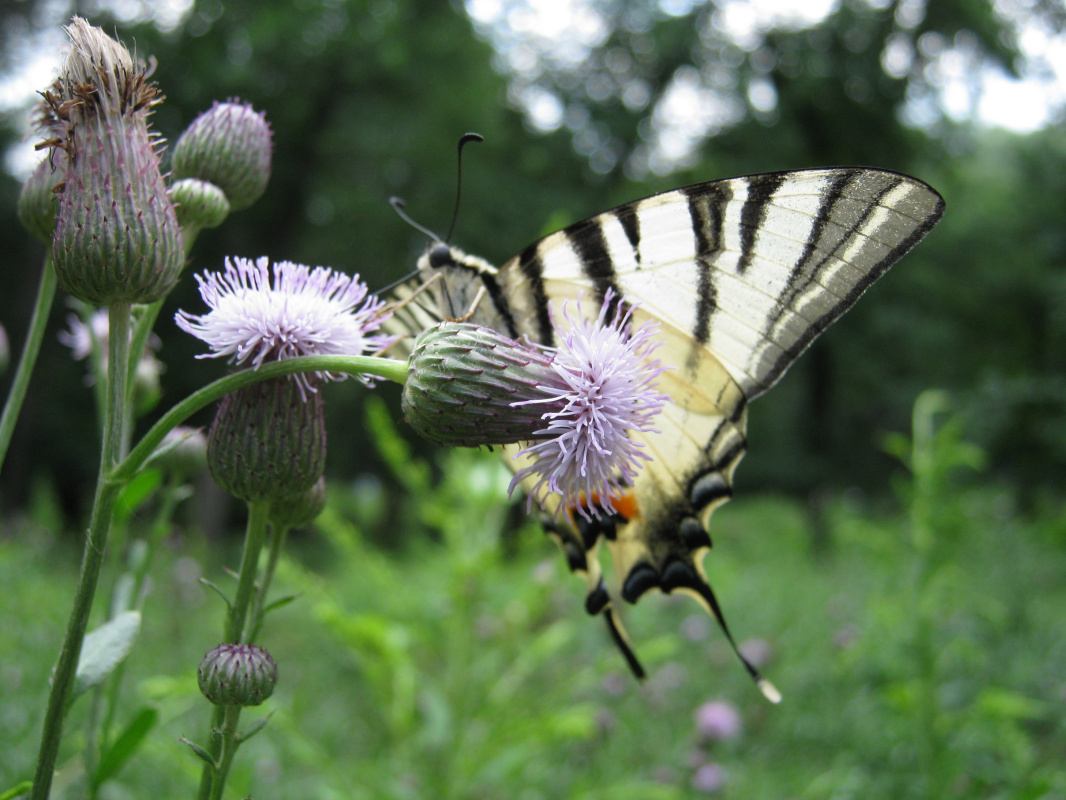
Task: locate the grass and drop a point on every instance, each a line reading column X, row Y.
column 459, row 668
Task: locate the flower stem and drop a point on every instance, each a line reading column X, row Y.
column 229, row 738
column 222, row 742
column 46, row 292
column 95, row 545
column 274, row 548
column 354, row 365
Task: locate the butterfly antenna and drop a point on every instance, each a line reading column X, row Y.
column 464, row 140
column 400, row 208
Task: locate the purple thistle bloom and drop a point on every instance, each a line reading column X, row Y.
column 303, row 312
column 718, row 720
column 603, row 389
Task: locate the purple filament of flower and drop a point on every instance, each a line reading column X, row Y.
column 302, row 312
column 605, row 389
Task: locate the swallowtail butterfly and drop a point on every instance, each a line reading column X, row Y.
column 741, row 274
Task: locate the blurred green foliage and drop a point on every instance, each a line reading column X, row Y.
column 367, row 100
column 921, row 654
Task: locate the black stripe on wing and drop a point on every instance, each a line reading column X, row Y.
column 761, row 190
column 706, row 208
column 532, row 267
column 590, row 246
column 818, row 325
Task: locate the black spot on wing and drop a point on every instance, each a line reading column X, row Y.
column 641, row 578
column 761, row 190
column 597, row 599
column 709, row 488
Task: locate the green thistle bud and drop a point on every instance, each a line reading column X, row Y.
column 37, row 206
column 228, row 145
column 301, row 510
column 268, row 441
column 199, row 204
column 237, row 675
column 462, row 380
column 117, row 237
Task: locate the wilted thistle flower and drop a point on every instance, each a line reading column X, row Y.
column 237, row 675
column 470, row 386
column 268, row 439
column 116, row 236
column 229, row 145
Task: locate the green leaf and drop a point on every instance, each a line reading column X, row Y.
column 103, row 650
column 137, row 492
column 206, row 756
column 17, row 790
column 281, row 601
column 217, row 590
column 126, row 744
column 257, row 726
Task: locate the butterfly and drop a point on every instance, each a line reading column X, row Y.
column 741, row 275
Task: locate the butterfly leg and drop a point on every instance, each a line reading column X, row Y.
column 473, row 306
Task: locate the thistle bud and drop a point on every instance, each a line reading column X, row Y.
column 237, row 675
column 37, row 205
column 228, row 145
column 301, row 510
column 267, row 442
column 462, row 382
column 198, row 204
column 117, row 237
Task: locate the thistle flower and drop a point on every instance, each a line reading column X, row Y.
column 302, row 312
column 718, row 720
column 579, row 402
column 116, row 237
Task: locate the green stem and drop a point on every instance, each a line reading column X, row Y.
column 230, row 741
column 46, row 292
column 212, row 781
column 172, row 495
column 274, row 548
column 95, row 546
column 386, row 368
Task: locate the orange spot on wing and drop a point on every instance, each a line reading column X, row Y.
column 625, row 506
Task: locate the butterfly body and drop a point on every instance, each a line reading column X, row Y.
column 741, row 275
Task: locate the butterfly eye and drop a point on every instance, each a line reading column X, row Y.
column 440, row 255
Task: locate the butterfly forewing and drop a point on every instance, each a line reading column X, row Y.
column 741, row 275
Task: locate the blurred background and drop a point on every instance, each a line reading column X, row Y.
column 585, row 104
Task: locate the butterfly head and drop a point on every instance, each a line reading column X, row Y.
column 439, row 255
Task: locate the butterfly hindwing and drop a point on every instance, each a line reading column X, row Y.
column 741, row 275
